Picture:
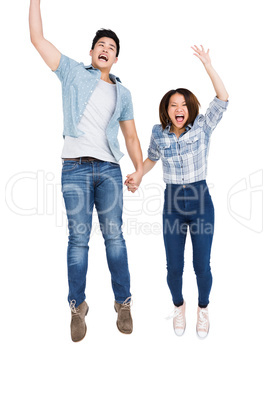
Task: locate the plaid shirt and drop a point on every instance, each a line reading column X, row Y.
column 185, row 158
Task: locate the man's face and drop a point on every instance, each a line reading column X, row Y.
column 104, row 54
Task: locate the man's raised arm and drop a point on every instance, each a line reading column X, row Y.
column 48, row 52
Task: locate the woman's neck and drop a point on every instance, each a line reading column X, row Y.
column 177, row 131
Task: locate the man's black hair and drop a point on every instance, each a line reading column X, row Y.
column 101, row 33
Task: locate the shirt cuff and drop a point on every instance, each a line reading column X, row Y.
column 223, row 104
column 125, row 118
column 152, row 157
column 60, row 64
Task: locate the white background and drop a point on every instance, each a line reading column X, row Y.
column 39, row 361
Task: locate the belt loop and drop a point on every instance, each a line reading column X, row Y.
column 80, row 160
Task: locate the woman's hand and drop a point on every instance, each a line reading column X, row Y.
column 133, row 181
column 219, row 87
column 202, row 55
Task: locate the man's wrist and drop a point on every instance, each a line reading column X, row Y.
column 139, row 170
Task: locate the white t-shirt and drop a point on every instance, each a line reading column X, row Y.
column 93, row 123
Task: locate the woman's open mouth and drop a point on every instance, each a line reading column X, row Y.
column 179, row 118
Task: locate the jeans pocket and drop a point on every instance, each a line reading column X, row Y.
column 69, row 166
column 114, row 164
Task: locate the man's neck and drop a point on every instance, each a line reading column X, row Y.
column 105, row 75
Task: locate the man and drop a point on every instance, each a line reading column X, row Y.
column 95, row 103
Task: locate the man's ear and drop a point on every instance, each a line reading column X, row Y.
column 90, row 53
column 116, row 60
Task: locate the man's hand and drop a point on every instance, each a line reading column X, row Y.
column 133, row 181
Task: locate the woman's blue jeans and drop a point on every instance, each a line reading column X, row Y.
column 85, row 184
column 190, row 206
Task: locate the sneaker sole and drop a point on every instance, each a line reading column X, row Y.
column 199, row 337
column 182, row 333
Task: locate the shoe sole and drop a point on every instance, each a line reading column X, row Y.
column 126, row 333
column 199, row 337
column 182, row 333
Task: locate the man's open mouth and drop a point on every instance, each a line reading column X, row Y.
column 179, row 118
column 103, row 57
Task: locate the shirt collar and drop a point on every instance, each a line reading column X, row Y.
column 112, row 77
column 187, row 128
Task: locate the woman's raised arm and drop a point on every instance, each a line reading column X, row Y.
column 219, row 87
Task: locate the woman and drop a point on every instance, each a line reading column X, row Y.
column 182, row 142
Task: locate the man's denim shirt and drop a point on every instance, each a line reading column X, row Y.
column 78, row 84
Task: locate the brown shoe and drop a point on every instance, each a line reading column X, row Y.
column 78, row 324
column 124, row 320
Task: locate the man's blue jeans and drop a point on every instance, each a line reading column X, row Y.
column 190, row 206
column 85, row 184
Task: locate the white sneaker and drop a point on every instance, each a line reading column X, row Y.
column 179, row 322
column 202, row 326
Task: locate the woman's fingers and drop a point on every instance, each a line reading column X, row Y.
column 129, row 179
column 197, row 50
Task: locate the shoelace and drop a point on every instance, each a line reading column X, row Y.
column 73, row 308
column 127, row 304
column 202, row 320
column 177, row 313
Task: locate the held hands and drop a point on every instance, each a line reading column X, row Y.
column 202, row 55
column 133, row 181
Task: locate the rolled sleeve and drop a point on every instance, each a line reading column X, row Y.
column 153, row 152
column 127, row 109
column 213, row 115
column 66, row 64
